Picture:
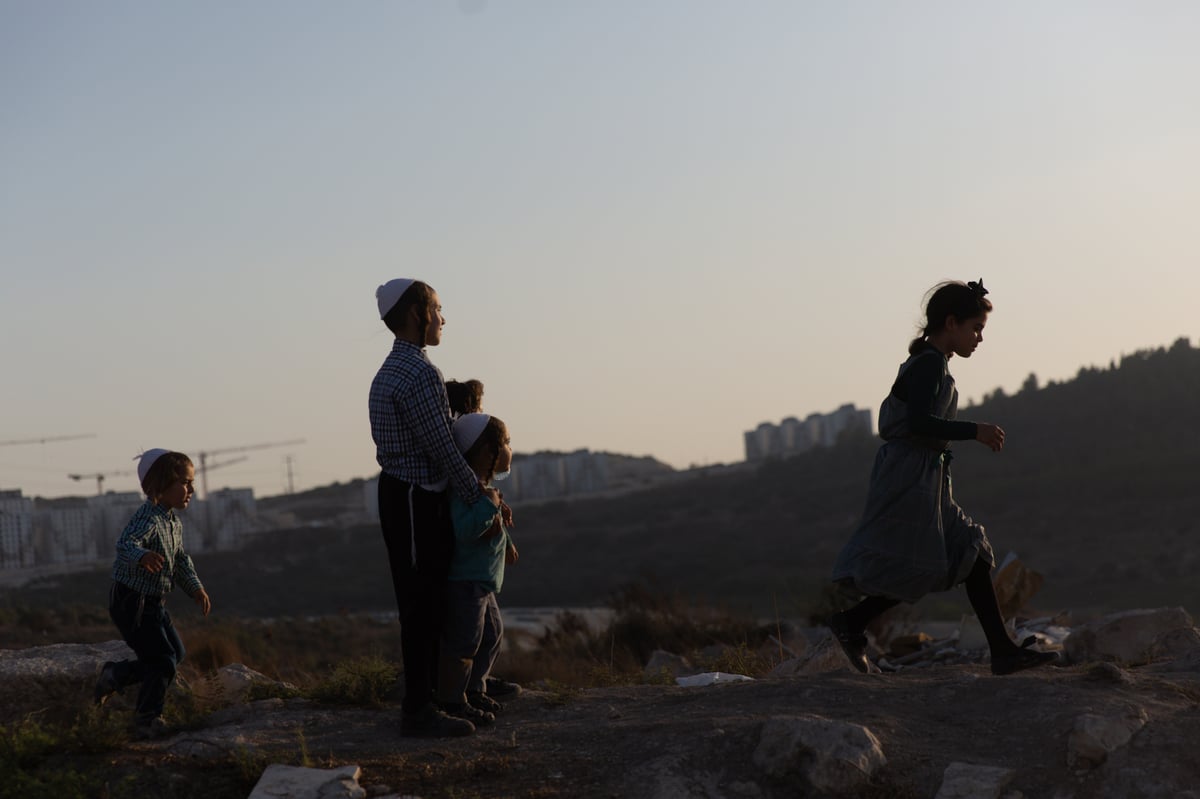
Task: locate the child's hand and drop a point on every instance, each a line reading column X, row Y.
column 152, row 562
column 990, row 435
column 202, row 601
column 510, row 555
column 492, row 531
column 505, row 512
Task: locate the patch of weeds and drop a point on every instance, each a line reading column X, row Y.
column 249, row 763
column 271, row 690
column 362, row 681
column 557, row 693
column 30, row 759
column 740, row 659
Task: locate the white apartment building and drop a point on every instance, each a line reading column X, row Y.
column 65, row 533
column 792, row 436
column 16, row 530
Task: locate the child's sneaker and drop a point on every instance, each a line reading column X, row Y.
column 483, row 702
column 499, row 689
column 149, row 728
column 429, row 722
column 465, row 710
column 107, row 684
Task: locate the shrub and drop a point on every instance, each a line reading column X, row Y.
column 362, row 681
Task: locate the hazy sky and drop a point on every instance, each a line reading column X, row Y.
column 652, row 225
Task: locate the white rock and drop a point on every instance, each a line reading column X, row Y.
column 294, row 782
column 1094, row 737
column 48, row 675
column 1133, row 637
column 833, row 756
column 969, row 781
column 662, row 661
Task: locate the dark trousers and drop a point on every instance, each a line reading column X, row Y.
column 420, row 540
column 146, row 626
column 470, row 640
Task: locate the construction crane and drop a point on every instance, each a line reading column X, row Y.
column 101, row 476
column 45, row 439
column 204, row 455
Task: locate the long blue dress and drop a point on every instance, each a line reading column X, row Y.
column 913, row 538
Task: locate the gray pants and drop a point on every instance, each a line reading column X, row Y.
column 470, row 640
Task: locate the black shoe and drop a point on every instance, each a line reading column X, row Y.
column 853, row 644
column 150, row 727
column 429, row 722
column 1021, row 659
column 499, row 689
column 467, row 711
column 483, row 702
column 107, row 684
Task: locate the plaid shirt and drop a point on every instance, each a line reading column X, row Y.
column 410, row 422
column 154, row 529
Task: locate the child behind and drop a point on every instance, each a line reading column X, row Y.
column 464, row 397
column 473, row 629
column 150, row 562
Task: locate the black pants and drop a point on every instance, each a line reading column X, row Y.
column 147, row 628
column 420, row 541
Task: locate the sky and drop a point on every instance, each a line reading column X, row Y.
column 652, row 225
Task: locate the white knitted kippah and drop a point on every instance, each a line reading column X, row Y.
column 146, row 460
column 387, row 295
column 467, row 428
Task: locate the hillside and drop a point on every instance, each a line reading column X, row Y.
column 1095, row 490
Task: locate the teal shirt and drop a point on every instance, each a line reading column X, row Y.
column 477, row 559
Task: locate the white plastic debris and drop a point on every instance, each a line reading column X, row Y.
column 710, row 678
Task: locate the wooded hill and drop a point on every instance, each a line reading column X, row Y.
column 1096, row 489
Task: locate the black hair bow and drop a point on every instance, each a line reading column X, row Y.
column 978, row 288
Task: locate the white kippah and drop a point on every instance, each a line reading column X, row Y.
column 387, row 295
column 467, row 428
column 146, row 460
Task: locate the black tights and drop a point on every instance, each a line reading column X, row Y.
column 980, row 592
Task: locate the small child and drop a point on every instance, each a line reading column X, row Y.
column 150, row 562
column 473, row 629
column 464, row 397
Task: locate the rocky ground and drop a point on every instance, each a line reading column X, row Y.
column 706, row 742
column 1091, row 730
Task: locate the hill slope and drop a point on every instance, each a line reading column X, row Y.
column 1095, row 489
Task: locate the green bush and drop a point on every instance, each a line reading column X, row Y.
column 362, row 681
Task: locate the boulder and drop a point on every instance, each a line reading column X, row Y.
column 833, row 756
column 662, row 662
column 53, row 675
column 296, row 782
column 1133, row 637
column 969, row 781
column 827, row 656
column 1094, row 737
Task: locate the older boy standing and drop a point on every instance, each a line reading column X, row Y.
column 410, row 423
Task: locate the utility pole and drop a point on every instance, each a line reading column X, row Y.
column 291, row 488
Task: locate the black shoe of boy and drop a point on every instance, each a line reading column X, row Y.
column 500, row 689
column 430, row 722
column 483, row 702
column 107, row 684
column 1021, row 659
column 853, row 644
column 150, row 727
column 465, row 710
